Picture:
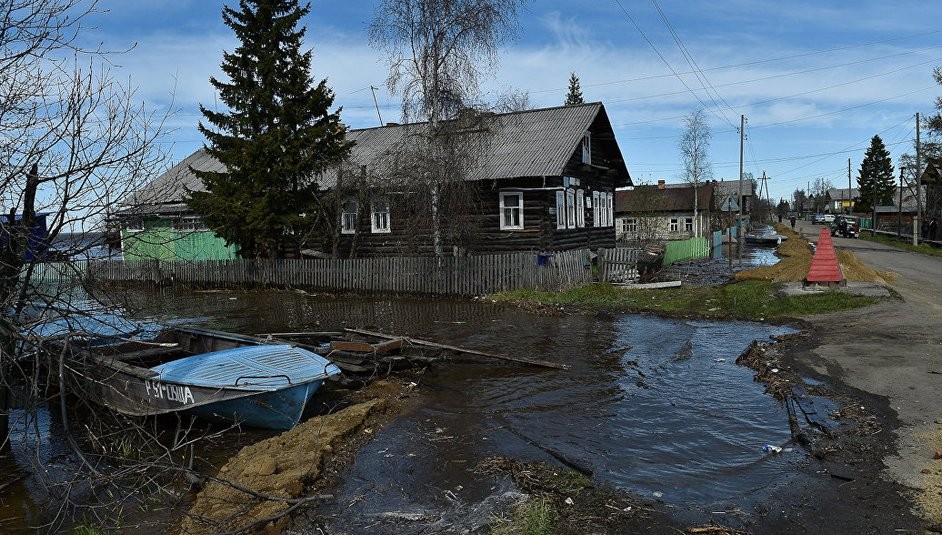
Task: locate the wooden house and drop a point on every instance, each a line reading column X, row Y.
column 156, row 223
column 541, row 180
column 535, row 180
column 664, row 211
column 842, row 200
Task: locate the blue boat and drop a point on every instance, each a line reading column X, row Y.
column 223, row 376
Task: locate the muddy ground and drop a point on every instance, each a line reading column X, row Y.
column 868, row 467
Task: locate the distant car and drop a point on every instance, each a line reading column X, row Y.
column 817, row 219
column 851, row 227
column 827, row 218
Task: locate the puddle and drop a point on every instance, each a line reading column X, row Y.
column 650, row 405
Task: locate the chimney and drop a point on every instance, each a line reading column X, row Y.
column 660, row 184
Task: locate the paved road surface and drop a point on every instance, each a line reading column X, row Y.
column 894, row 349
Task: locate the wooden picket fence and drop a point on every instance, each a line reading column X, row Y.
column 468, row 275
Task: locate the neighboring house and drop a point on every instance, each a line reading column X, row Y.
column 157, row 224
column 842, row 200
column 932, row 182
column 663, row 212
column 545, row 181
column 890, row 216
column 732, row 188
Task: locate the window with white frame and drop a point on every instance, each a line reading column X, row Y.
column 610, row 204
column 570, row 208
column 596, row 204
column 629, row 226
column 348, row 217
column 580, row 208
column 560, row 209
column 587, row 148
column 674, row 225
column 380, row 216
column 688, row 224
column 511, row 210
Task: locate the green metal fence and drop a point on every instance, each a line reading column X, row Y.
column 678, row 251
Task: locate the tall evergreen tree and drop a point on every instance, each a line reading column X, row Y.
column 574, row 97
column 875, row 178
column 275, row 138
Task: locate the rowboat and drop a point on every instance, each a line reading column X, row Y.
column 222, row 376
column 764, row 236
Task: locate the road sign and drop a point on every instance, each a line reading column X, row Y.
column 730, row 205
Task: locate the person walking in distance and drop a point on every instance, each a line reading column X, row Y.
column 792, row 221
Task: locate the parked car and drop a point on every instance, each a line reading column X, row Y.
column 851, row 228
column 819, row 219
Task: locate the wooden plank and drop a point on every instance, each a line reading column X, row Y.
column 356, row 347
column 416, row 341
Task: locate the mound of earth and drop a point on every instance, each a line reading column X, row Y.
column 258, row 488
column 796, row 254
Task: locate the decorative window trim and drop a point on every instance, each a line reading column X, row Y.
column 610, row 203
column 348, row 219
column 596, row 212
column 379, row 216
column 587, row 148
column 674, row 225
column 560, row 209
column 580, row 208
column 570, row 208
column 688, row 224
column 507, row 213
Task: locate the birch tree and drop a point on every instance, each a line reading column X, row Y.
column 694, row 152
column 438, row 53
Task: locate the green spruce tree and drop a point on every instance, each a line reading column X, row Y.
column 275, row 138
column 875, row 178
column 574, row 97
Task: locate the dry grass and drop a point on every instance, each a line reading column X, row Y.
column 796, row 255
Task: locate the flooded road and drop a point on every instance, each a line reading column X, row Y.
column 653, row 406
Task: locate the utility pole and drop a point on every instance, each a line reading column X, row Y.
column 742, row 134
column 918, row 226
column 768, row 199
column 850, row 198
column 373, row 90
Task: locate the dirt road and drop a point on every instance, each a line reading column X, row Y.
column 894, row 350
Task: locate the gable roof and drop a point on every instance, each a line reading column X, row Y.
column 652, row 199
column 731, row 187
column 841, row 193
column 521, row 144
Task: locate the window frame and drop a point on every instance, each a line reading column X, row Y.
column 518, row 209
column 580, row 208
column 629, row 225
column 673, row 225
column 688, row 224
column 587, row 148
column 570, row 209
column 348, row 224
column 596, row 209
column 374, row 227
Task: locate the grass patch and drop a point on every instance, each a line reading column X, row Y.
column 741, row 300
column 536, row 516
column 922, row 248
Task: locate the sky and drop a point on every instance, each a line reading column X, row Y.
column 815, row 80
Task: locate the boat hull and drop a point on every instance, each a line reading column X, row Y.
column 260, row 385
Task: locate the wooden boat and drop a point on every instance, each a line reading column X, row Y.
column 764, row 236
column 242, row 379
